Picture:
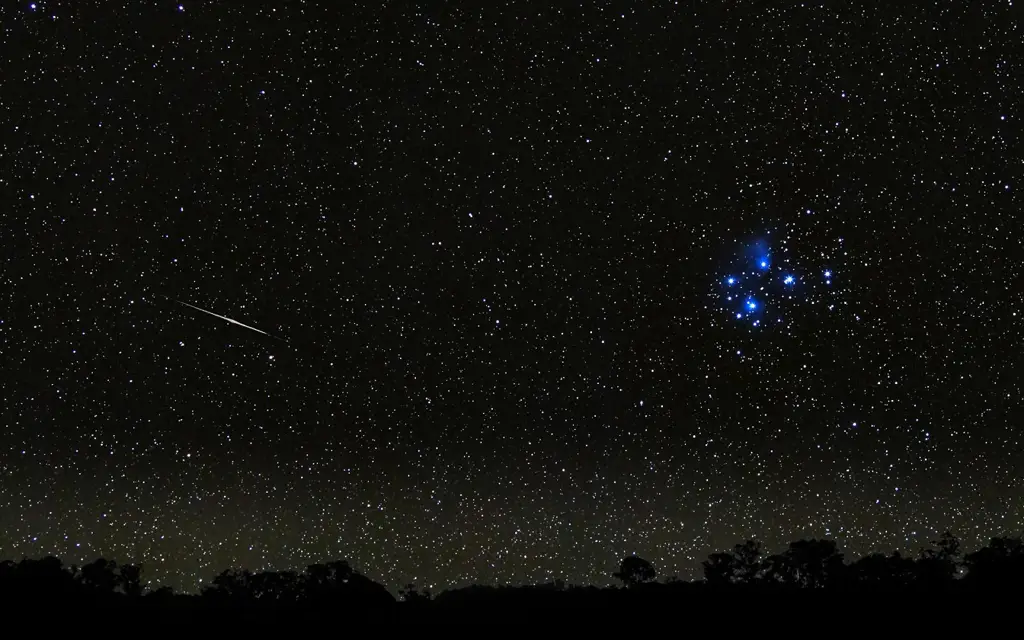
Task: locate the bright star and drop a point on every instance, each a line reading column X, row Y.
column 739, row 315
column 828, row 274
column 788, row 280
column 731, row 280
column 751, row 305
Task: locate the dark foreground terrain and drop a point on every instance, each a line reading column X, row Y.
column 808, row 580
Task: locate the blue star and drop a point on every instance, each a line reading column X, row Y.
column 730, row 280
column 828, row 274
column 739, row 315
column 752, row 304
column 788, row 280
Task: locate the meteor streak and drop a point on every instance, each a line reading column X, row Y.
column 231, row 320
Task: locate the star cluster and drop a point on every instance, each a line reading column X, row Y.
column 498, row 238
column 759, row 290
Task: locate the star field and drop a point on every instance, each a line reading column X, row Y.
column 559, row 284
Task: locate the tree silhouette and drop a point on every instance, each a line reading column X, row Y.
column 162, row 594
column 879, row 571
column 230, row 585
column 100, row 576
column 321, row 585
column 275, row 586
column 129, row 580
column 411, row 595
column 321, row 582
column 741, row 565
column 33, row 579
column 811, row 564
column 634, row 571
column 937, row 567
column 1000, row 565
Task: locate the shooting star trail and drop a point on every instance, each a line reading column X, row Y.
column 231, row 320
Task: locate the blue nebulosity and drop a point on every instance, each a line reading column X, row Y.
column 761, row 255
column 759, row 284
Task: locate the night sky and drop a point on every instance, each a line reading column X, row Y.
column 491, row 268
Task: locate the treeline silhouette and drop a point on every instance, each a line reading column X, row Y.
column 804, row 567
